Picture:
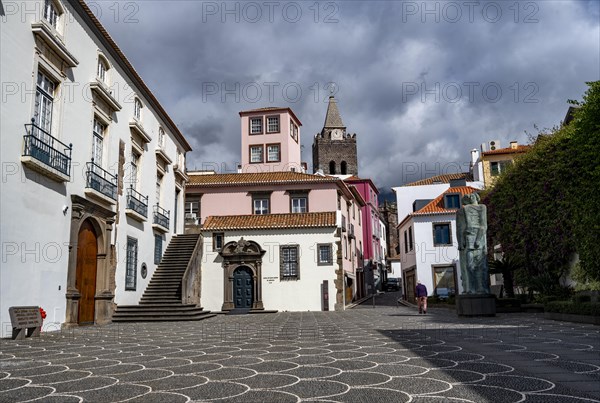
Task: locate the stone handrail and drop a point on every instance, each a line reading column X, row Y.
column 190, row 283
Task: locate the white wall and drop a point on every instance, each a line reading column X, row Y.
column 35, row 232
column 300, row 295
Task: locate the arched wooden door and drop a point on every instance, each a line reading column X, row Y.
column 87, row 253
column 243, row 288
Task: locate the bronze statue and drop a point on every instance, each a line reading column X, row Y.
column 471, row 228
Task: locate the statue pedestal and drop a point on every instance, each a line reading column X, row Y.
column 476, row 305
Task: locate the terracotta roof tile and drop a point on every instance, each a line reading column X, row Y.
column 508, row 150
column 262, row 178
column 446, row 178
column 436, row 206
column 271, row 221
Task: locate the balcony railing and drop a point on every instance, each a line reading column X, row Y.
column 41, row 146
column 101, row 180
column 161, row 216
column 137, row 202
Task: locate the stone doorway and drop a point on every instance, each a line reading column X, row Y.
column 242, row 261
column 91, row 271
column 85, row 281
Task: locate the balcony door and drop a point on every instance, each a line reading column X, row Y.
column 87, row 255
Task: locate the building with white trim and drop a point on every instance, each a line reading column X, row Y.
column 93, row 168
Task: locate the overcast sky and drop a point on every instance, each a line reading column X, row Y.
column 420, row 83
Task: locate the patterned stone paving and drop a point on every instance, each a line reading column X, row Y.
column 383, row 354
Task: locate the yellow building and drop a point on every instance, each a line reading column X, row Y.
column 496, row 161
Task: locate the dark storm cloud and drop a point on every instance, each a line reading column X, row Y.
column 421, row 83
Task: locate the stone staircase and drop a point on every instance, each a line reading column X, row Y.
column 161, row 301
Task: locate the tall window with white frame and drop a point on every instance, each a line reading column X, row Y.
column 44, row 101
column 51, row 13
column 135, row 164
column 273, row 153
column 161, row 137
column 98, row 143
column 137, row 109
column 131, row 264
column 289, row 263
column 272, row 124
column 102, row 70
column 159, row 179
column 256, row 154
column 256, row 125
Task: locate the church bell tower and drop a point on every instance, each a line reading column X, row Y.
column 334, row 150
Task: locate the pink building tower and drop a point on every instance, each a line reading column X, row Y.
column 270, row 140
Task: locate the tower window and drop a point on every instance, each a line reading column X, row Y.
column 332, row 168
column 273, row 124
column 256, row 125
column 343, row 168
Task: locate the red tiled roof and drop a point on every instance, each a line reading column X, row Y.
column 508, row 150
column 271, row 221
column 262, row 178
column 445, row 178
column 436, row 206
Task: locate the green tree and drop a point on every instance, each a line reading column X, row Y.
column 545, row 208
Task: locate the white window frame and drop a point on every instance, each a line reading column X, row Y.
column 253, row 155
column 258, row 128
column 270, row 148
column 260, row 205
column 159, row 179
column 329, row 253
column 98, row 134
column 137, row 108
column 272, row 124
column 51, row 13
column 299, row 204
column 289, row 268
column 44, row 102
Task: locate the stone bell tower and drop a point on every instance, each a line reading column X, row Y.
column 334, row 150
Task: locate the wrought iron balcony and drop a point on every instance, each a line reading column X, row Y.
column 44, row 153
column 161, row 218
column 137, row 202
column 101, row 181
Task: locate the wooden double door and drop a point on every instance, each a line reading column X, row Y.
column 87, row 258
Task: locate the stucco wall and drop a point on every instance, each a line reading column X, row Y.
column 35, row 232
column 297, row 295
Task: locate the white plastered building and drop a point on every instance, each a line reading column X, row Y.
column 93, row 168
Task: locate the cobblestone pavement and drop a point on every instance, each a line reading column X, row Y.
column 366, row 354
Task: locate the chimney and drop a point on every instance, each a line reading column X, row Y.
column 514, row 145
column 474, row 156
column 239, row 168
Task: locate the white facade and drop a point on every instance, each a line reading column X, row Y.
column 80, row 91
column 425, row 257
column 303, row 294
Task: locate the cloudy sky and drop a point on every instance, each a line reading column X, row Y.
column 421, row 83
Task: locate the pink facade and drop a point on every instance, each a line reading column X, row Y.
column 276, row 133
column 238, row 200
column 371, row 225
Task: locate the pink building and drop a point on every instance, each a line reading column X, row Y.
column 374, row 266
column 275, row 238
column 270, row 140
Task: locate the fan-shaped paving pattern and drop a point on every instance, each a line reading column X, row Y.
column 364, row 354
